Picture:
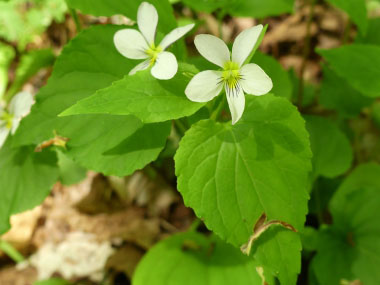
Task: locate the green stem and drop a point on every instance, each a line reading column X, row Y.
column 11, row 251
column 180, row 127
column 305, row 55
column 215, row 115
column 74, row 14
column 195, row 225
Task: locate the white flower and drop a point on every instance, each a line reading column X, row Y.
column 10, row 120
column 135, row 45
column 236, row 77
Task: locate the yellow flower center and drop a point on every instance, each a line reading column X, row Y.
column 7, row 119
column 231, row 74
column 153, row 52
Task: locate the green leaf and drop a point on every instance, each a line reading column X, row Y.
column 358, row 64
column 282, row 86
column 231, row 175
column 115, row 145
column 337, row 94
column 349, row 249
column 89, row 63
column 356, row 10
column 143, row 96
column 29, row 65
column 259, row 8
column 332, row 152
column 207, row 6
column 166, row 20
column 27, row 178
column 191, row 258
column 373, row 35
column 69, row 171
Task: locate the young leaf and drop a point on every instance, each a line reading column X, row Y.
column 349, row 249
column 191, row 258
column 143, row 96
column 231, row 175
column 358, row 64
column 332, row 152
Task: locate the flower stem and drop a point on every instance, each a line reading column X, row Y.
column 215, row 115
column 74, row 14
column 305, row 55
column 11, row 251
column 180, row 127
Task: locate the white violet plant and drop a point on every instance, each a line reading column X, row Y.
column 10, row 117
column 237, row 77
column 135, row 44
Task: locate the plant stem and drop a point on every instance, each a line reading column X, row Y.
column 215, row 115
column 305, row 55
column 11, row 251
column 180, row 127
column 221, row 15
column 74, row 14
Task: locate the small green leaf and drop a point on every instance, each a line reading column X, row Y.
column 231, row 175
column 349, row 248
column 338, row 95
column 358, row 65
column 69, row 171
column 143, row 96
column 191, row 258
column 332, row 152
column 27, row 178
column 356, row 10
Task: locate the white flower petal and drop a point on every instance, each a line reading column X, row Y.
column 213, row 49
column 204, row 86
column 141, row 66
column 254, row 80
column 244, row 44
column 147, row 19
column 4, row 132
column 166, row 66
column 236, row 103
column 20, row 104
column 15, row 124
column 174, row 35
column 131, row 44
